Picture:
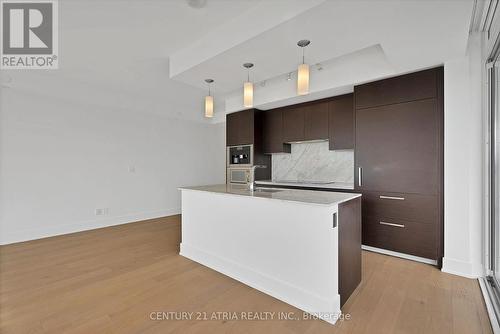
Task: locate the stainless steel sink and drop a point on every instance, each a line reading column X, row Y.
column 267, row 190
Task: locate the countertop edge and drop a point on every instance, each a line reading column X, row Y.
column 351, row 196
column 304, row 185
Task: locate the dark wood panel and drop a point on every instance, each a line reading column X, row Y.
column 440, row 104
column 349, row 224
column 414, row 238
column 404, row 88
column 246, row 127
column 273, row 132
column 240, row 128
column 293, row 124
column 259, row 157
column 316, row 121
column 341, row 122
column 397, row 148
column 231, row 129
column 408, row 207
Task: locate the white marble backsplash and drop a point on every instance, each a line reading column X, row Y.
column 313, row 161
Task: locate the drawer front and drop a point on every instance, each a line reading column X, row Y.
column 408, row 207
column 401, row 236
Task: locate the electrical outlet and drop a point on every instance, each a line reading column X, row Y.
column 101, row 211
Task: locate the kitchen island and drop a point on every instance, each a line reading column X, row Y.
column 302, row 247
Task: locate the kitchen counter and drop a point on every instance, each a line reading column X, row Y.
column 300, row 246
column 331, row 185
column 325, row 198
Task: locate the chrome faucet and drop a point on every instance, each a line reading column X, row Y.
column 251, row 181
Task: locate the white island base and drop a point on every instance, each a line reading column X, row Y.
column 282, row 243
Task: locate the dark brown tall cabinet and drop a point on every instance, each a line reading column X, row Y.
column 399, row 162
column 245, row 128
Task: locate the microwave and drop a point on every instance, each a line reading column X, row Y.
column 239, row 175
column 240, row 156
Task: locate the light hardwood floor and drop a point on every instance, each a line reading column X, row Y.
column 110, row 280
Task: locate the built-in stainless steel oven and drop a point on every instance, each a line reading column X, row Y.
column 240, row 156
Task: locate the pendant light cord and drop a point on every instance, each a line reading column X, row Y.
column 303, row 55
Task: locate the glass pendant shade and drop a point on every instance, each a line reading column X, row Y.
column 209, row 106
column 248, row 94
column 303, row 79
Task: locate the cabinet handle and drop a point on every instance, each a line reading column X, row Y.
column 360, row 176
column 392, row 197
column 392, row 224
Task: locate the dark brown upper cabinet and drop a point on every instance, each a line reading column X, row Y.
column 293, row 124
column 307, row 121
column 240, row 127
column 272, row 124
column 316, row 121
column 409, row 87
column 341, row 122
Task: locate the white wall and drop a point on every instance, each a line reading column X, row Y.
column 464, row 162
column 60, row 159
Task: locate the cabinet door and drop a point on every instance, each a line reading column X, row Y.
column 409, row 87
column 316, row 121
column 273, row 132
column 341, row 123
column 231, row 129
column 240, row 128
column 397, row 148
column 293, row 124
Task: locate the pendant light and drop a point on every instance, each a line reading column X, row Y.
column 209, row 101
column 303, row 71
column 248, row 88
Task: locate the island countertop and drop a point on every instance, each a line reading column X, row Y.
column 305, row 184
column 324, row 198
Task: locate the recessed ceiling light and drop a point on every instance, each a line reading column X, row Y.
column 196, row 3
column 5, row 81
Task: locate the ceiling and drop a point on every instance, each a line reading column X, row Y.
column 114, row 53
column 153, row 55
column 411, row 35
